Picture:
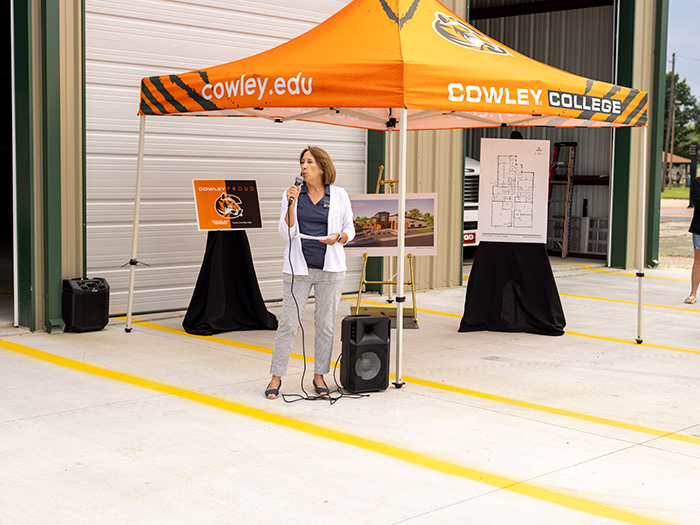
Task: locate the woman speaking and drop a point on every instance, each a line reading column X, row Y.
column 316, row 208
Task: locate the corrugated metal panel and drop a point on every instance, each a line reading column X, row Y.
column 643, row 79
column 592, row 152
column 435, row 163
column 440, row 168
column 557, row 39
column 130, row 39
column 71, row 140
column 577, row 40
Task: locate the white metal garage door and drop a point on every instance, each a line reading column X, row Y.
column 127, row 40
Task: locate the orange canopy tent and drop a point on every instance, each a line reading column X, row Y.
column 375, row 56
column 392, row 65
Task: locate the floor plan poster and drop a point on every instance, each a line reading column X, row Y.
column 513, row 192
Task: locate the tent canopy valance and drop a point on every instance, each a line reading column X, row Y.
column 375, row 56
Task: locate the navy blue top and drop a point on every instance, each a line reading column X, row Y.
column 313, row 220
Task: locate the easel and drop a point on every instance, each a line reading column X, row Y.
column 407, row 311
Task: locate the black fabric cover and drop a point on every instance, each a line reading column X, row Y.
column 227, row 296
column 511, row 289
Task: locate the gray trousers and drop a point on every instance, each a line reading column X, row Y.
column 327, row 288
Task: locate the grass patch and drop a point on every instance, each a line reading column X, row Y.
column 676, row 193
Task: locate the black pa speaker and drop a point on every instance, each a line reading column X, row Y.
column 364, row 365
column 85, row 304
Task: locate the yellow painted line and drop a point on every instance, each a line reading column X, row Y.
column 557, row 411
column 212, row 338
column 447, row 314
column 377, row 303
column 482, row 395
column 459, row 316
column 385, row 449
column 695, row 310
column 583, row 266
column 628, row 274
column 630, row 342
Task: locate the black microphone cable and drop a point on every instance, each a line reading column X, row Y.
column 299, row 397
column 305, row 396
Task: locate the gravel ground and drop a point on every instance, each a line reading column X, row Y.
column 675, row 242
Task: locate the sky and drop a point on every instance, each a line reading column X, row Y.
column 683, row 28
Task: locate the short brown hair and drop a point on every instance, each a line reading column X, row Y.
column 324, row 160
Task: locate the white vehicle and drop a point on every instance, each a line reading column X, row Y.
column 471, row 202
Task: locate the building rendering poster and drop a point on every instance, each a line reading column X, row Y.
column 376, row 224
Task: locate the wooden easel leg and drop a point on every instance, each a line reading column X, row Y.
column 413, row 288
column 362, row 283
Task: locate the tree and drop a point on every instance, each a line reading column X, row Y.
column 687, row 119
column 414, row 213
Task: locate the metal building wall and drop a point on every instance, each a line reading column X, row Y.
column 435, row 163
column 131, row 39
column 645, row 17
column 579, row 41
column 72, row 183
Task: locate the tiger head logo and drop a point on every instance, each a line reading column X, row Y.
column 229, row 206
column 454, row 30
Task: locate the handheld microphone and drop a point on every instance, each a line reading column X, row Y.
column 297, row 182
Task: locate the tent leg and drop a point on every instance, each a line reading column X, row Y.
column 390, row 163
column 135, row 235
column 641, row 263
column 401, row 225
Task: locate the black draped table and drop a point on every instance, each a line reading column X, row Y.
column 227, row 296
column 511, row 289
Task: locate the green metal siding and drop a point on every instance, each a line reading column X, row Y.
column 51, row 135
column 621, row 180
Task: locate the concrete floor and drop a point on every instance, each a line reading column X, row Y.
column 157, row 426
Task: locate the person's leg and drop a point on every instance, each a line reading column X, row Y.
column 695, row 272
column 288, row 324
column 327, row 290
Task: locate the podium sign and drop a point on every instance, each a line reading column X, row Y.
column 227, row 204
column 693, row 160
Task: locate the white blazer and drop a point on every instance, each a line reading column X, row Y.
column 340, row 220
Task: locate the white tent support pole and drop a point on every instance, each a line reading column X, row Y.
column 641, row 263
column 389, row 175
column 135, row 235
column 401, row 225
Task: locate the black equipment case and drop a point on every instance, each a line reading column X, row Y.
column 85, row 304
